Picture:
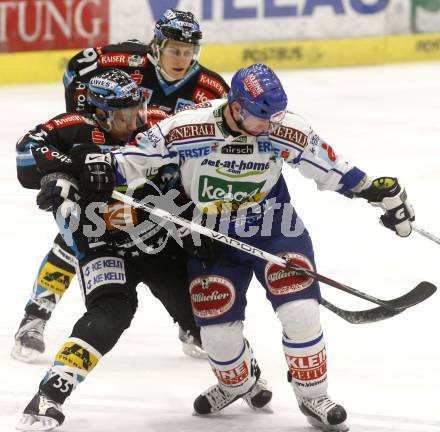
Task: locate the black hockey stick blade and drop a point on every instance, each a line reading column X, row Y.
column 363, row 316
column 417, row 295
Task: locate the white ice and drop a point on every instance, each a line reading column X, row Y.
column 386, row 121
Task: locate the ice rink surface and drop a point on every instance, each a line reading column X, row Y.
column 387, row 375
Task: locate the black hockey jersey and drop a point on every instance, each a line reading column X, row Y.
column 133, row 57
column 53, row 141
column 46, row 149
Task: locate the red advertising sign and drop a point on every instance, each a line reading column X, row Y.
column 36, row 25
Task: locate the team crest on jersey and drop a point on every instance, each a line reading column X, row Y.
column 135, row 60
column 183, row 103
column 98, row 137
column 137, row 77
column 147, row 93
column 211, row 296
column 281, row 280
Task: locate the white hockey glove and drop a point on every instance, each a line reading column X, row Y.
column 387, row 193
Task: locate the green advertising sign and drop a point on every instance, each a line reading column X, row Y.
column 213, row 189
column 425, row 16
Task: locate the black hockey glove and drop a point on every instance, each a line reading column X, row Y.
column 55, row 189
column 196, row 245
column 204, row 248
column 94, row 172
column 387, row 193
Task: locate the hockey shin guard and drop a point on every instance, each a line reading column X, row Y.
column 73, row 362
column 53, row 278
column 304, row 347
column 230, row 357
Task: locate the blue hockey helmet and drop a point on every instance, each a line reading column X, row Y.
column 259, row 92
column 179, row 26
column 113, row 89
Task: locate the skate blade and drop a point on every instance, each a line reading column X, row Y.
column 24, row 354
column 193, row 351
column 267, row 409
column 36, row 423
column 342, row 427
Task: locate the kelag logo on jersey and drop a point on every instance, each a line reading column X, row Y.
column 213, row 189
column 182, row 103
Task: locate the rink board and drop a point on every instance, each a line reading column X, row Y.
column 48, row 66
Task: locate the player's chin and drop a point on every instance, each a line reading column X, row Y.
column 124, row 135
column 179, row 73
column 256, row 132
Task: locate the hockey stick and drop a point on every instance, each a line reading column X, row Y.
column 390, row 305
column 426, row 234
column 421, row 292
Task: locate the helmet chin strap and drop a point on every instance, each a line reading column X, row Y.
column 239, row 124
column 155, row 59
column 104, row 121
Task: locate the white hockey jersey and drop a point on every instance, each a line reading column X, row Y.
column 221, row 172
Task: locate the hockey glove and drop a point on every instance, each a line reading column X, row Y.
column 203, row 248
column 387, row 193
column 94, row 171
column 196, row 245
column 55, row 189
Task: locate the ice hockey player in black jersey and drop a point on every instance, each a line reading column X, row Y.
column 166, row 69
column 110, row 265
column 170, row 77
column 44, row 150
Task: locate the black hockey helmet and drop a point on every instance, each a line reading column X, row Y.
column 179, row 26
column 113, row 89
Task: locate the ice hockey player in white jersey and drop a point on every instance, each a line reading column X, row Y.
column 231, row 155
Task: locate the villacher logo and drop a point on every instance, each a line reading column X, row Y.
column 211, row 296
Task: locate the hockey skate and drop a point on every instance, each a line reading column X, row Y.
column 215, row 398
column 29, row 342
column 41, row 414
column 324, row 414
column 192, row 344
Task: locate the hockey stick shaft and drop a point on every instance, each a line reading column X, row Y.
column 426, row 234
column 252, row 250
